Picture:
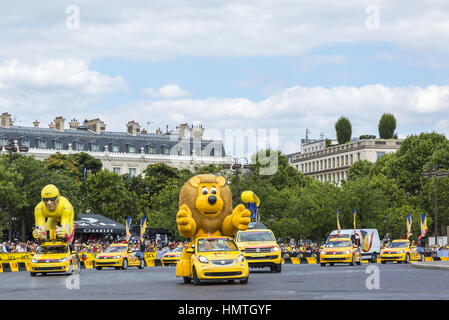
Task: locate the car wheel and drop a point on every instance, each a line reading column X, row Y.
column 125, row 264
column 323, row 264
column 142, row 264
column 331, row 264
column 187, row 280
column 98, row 268
column 383, row 262
column 196, row 281
column 276, row 268
column 32, row 274
column 374, row 258
column 244, row 281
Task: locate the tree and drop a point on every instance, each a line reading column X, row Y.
column 387, row 125
column 344, row 130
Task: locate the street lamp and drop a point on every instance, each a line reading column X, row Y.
column 435, row 174
column 235, row 167
column 12, row 148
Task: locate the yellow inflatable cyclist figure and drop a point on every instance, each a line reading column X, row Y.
column 54, row 216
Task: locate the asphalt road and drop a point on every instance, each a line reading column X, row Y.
column 295, row 282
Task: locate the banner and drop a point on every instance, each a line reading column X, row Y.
column 143, row 227
column 423, row 225
column 128, row 229
column 409, row 226
column 338, row 221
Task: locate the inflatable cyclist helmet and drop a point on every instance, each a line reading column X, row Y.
column 50, row 191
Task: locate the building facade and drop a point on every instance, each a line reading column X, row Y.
column 332, row 163
column 122, row 152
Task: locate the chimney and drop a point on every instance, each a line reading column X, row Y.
column 96, row 125
column 196, row 132
column 183, row 130
column 59, row 123
column 133, row 128
column 36, row 123
column 73, row 124
column 159, row 131
column 6, row 120
column 51, row 125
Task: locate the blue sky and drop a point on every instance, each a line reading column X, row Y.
column 285, row 65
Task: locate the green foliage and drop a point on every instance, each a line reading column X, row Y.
column 387, row 125
column 344, row 130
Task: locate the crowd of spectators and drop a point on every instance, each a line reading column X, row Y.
column 92, row 245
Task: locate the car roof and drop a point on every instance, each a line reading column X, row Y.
column 54, row 243
column 213, row 238
column 401, row 240
column 340, row 239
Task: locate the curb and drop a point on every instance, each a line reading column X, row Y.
column 431, row 265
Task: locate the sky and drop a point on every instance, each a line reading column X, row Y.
column 266, row 70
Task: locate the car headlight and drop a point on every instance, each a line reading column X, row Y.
column 117, row 257
column 63, row 259
column 347, row 252
column 400, row 252
column 33, row 260
column 240, row 258
column 274, row 249
column 203, row 259
column 322, row 252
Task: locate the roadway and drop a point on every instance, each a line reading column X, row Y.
column 295, row 282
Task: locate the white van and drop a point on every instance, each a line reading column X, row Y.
column 369, row 241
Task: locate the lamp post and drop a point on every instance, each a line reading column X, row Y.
column 147, row 189
column 12, row 148
column 435, row 174
column 235, row 167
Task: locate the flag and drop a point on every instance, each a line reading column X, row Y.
column 355, row 215
column 423, row 225
column 409, row 226
column 338, row 221
column 128, row 229
column 143, row 227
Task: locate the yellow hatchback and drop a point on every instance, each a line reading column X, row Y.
column 172, row 257
column 260, row 248
column 54, row 257
column 216, row 258
column 119, row 256
column 400, row 251
column 340, row 250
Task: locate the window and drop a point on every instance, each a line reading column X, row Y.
column 379, row 155
column 116, row 170
column 132, row 172
column 25, row 143
column 131, row 148
column 58, row 145
column 94, row 146
column 42, row 144
column 3, row 141
column 115, row 147
column 79, row 146
column 151, row 149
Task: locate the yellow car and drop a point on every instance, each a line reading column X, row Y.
column 54, row 257
column 216, row 258
column 119, row 256
column 400, row 251
column 260, row 248
column 340, row 250
column 172, row 257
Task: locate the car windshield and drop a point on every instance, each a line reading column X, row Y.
column 398, row 245
column 255, row 236
column 52, row 249
column 214, row 245
column 338, row 244
column 333, row 236
column 178, row 249
column 115, row 249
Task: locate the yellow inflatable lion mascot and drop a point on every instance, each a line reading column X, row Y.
column 205, row 209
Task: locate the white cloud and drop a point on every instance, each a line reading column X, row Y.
column 296, row 109
column 158, row 30
column 169, row 91
column 51, row 87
